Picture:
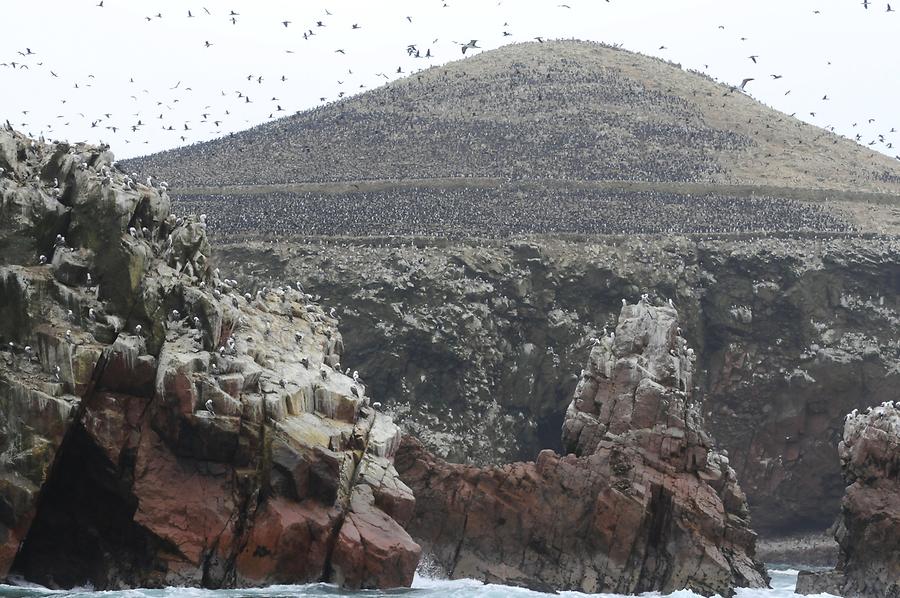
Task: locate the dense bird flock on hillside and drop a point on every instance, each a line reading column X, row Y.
column 492, row 213
column 555, row 110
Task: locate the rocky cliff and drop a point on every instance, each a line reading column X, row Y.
column 475, row 347
column 868, row 530
column 642, row 502
column 157, row 425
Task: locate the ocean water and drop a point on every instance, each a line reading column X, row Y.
column 783, row 582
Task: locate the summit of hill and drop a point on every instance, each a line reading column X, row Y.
column 556, row 110
column 536, row 138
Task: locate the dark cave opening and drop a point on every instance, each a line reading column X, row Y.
column 548, row 433
column 83, row 532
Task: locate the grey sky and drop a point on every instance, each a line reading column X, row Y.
column 846, row 52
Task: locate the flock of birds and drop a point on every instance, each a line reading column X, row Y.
column 491, row 213
column 218, row 119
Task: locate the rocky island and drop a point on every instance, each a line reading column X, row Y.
column 596, row 332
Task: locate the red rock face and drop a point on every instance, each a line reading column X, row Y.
column 642, row 503
column 868, row 531
column 159, row 428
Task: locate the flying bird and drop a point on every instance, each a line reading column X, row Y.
column 471, row 44
column 746, row 81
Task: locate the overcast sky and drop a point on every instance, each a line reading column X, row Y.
column 84, row 57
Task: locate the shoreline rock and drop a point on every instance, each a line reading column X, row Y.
column 868, row 531
column 159, row 428
column 642, row 502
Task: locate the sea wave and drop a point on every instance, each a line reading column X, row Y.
column 424, row 585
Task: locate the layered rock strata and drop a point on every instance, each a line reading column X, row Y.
column 641, row 502
column 157, row 426
column 868, row 531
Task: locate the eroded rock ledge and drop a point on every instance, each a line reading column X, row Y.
column 868, row 531
column 157, row 427
column 642, row 502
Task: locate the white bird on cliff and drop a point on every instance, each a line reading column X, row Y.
column 57, row 374
column 323, row 372
column 137, row 329
column 42, row 259
column 209, row 407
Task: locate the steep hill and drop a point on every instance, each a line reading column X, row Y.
column 559, row 110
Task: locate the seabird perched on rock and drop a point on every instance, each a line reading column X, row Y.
column 92, row 314
column 69, row 335
column 354, row 391
column 70, row 315
column 137, row 329
column 356, row 376
column 196, row 322
column 209, row 407
column 57, row 374
column 323, row 372
column 376, row 405
column 305, row 362
column 596, row 341
column 176, row 315
column 624, row 303
column 42, row 259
